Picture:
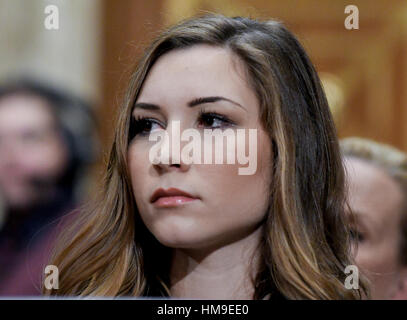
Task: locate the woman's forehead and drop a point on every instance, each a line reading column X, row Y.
column 200, row 70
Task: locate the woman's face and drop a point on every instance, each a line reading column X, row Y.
column 375, row 199
column 31, row 150
column 226, row 206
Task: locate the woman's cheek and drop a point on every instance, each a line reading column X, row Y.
column 137, row 167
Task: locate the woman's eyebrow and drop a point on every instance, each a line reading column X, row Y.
column 192, row 103
column 146, row 106
column 203, row 100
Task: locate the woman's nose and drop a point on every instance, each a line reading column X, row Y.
column 169, row 157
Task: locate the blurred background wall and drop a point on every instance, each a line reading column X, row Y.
column 69, row 57
column 364, row 71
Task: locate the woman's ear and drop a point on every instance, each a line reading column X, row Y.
column 401, row 292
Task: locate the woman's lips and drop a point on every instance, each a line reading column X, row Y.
column 167, row 202
column 171, row 197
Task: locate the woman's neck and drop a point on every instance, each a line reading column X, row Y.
column 221, row 273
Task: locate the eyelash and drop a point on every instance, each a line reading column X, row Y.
column 357, row 236
column 138, row 122
column 226, row 122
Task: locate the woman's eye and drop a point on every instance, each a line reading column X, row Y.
column 143, row 126
column 356, row 236
column 213, row 120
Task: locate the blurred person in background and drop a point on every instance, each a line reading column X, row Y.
column 377, row 198
column 46, row 141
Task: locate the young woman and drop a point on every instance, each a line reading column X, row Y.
column 194, row 230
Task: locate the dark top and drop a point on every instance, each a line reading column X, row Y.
column 26, row 242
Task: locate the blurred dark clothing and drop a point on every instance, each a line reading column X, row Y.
column 26, row 241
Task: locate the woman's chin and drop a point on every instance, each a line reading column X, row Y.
column 183, row 239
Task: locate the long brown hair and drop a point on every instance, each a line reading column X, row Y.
column 305, row 245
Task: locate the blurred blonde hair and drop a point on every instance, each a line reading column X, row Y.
column 390, row 160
